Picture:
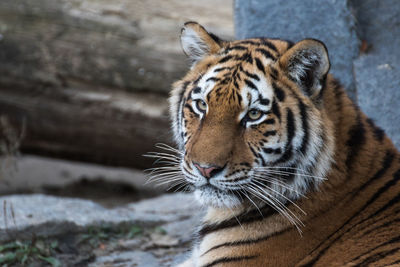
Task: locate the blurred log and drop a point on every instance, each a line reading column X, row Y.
column 76, row 72
column 59, row 44
column 103, row 126
column 55, row 60
column 127, row 45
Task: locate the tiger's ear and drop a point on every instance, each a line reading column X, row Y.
column 197, row 42
column 307, row 64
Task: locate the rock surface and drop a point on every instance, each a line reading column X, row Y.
column 46, row 216
column 377, row 71
column 108, row 186
column 330, row 21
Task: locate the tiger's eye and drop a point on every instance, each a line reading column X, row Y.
column 254, row 114
column 201, row 105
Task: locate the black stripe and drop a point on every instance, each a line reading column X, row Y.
column 280, row 94
column 391, row 202
column 181, row 93
column 239, row 97
column 289, row 44
column 245, row 164
column 214, row 37
column 251, row 75
column 290, row 131
column 236, row 84
column 356, row 140
column 222, row 68
column 214, row 79
column 236, row 74
column 379, row 134
column 197, row 79
column 179, row 108
column 252, row 150
column 269, row 121
column 269, row 133
column 387, row 162
column 191, row 109
column 337, row 89
column 226, row 80
column 244, row 218
column 225, row 59
column 391, row 241
column 259, row 65
column 264, row 101
column 269, row 150
column 265, row 53
column 269, row 44
column 246, row 242
column 230, row 259
column 377, row 194
column 378, row 256
column 245, row 57
column 274, row 73
column 275, row 110
column 304, row 125
column 238, row 47
column 249, row 42
column 394, row 263
column 250, row 84
column 197, row 90
column 384, row 225
column 260, row 157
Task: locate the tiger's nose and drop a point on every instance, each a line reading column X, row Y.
column 208, row 171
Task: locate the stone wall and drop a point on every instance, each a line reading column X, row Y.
column 362, row 36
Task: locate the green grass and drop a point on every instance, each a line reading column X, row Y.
column 24, row 252
column 97, row 235
column 100, row 234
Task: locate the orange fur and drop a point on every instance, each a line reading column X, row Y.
column 351, row 219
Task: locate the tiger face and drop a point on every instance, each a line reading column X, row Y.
column 249, row 119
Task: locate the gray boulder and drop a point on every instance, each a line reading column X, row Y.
column 377, row 72
column 48, row 216
column 327, row 20
column 165, row 226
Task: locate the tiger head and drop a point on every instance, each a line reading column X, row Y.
column 249, row 118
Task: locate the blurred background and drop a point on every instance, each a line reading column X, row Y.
column 83, row 89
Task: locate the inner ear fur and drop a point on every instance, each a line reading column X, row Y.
column 197, row 42
column 307, row 64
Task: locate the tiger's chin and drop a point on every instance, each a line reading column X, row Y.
column 210, row 196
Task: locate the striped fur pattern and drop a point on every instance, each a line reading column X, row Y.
column 291, row 171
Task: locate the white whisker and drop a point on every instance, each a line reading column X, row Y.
column 168, row 148
column 287, row 173
column 289, row 200
column 273, row 180
column 255, row 205
column 286, row 209
column 169, row 181
column 279, row 206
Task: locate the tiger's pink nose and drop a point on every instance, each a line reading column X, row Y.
column 208, row 171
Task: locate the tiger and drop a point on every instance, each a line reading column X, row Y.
column 290, row 170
